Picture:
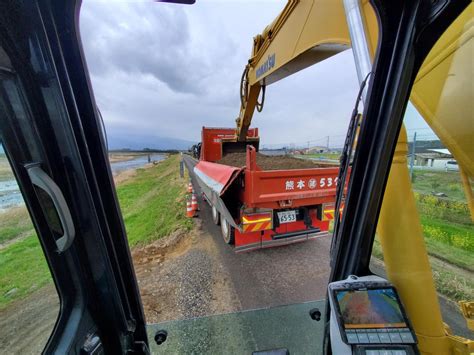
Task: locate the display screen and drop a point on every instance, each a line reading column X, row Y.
column 371, row 308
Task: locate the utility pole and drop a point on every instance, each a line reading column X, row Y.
column 327, row 144
column 308, row 148
column 412, row 156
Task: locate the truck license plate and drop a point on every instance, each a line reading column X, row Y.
column 287, row 216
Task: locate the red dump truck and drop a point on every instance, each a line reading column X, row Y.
column 258, row 202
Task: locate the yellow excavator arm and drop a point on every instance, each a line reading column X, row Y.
column 310, row 31
column 299, row 37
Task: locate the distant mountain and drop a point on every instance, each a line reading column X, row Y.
column 151, row 142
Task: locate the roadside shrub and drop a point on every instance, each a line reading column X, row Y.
column 452, row 285
column 454, row 187
column 450, row 210
column 465, row 242
column 462, row 241
column 437, row 234
column 417, row 195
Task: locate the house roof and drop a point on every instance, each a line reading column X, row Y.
column 441, row 151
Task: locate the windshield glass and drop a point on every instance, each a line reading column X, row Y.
column 160, row 73
column 226, row 234
column 433, row 243
column 231, row 132
column 282, row 327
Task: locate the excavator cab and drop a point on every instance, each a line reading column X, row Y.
column 54, row 139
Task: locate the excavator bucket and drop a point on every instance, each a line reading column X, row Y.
column 238, row 147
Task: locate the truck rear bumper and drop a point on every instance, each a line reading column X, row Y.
column 282, row 239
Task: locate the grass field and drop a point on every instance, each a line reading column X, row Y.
column 446, row 221
column 14, row 223
column 152, row 202
column 5, row 170
column 448, row 232
column 449, row 183
column 455, row 284
column 331, row 156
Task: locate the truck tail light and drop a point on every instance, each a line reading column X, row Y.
column 254, row 222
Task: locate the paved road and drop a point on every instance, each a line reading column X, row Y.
column 288, row 274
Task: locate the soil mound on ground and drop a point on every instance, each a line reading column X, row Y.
column 272, row 162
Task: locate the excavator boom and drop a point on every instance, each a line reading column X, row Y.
column 309, row 31
column 299, row 37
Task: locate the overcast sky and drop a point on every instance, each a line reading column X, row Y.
column 165, row 70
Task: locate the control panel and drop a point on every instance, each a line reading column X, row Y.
column 367, row 317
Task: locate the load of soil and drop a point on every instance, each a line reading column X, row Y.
column 272, row 162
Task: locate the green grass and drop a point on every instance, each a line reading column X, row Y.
column 456, row 235
column 14, row 223
column 332, row 156
column 452, row 284
column 449, row 236
column 453, row 255
column 22, row 270
column 153, row 206
column 449, row 183
column 452, row 242
column 455, row 284
column 153, row 202
column 6, row 172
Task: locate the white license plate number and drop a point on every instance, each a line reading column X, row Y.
column 287, row 216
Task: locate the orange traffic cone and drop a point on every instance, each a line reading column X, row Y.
column 194, row 202
column 189, row 210
column 190, row 188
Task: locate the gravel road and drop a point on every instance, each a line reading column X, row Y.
column 289, row 274
column 270, row 277
column 196, row 274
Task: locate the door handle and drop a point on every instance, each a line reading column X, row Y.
column 39, row 178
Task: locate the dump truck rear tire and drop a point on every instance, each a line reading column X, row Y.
column 227, row 231
column 215, row 215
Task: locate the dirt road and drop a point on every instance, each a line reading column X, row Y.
column 258, row 279
column 182, row 276
column 196, row 274
column 26, row 325
column 289, row 274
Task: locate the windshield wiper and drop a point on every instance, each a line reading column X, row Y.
column 345, row 162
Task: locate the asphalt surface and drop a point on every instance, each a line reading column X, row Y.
column 288, row 274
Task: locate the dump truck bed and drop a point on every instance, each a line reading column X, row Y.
column 274, row 189
column 289, row 188
column 271, row 162
column 268, row 200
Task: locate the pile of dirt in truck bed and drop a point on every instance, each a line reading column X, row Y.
column 272, row 162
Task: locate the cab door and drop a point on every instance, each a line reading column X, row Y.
column 52, row 136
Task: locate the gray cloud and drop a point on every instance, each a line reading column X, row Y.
column 140, row 38
column 166, row 70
